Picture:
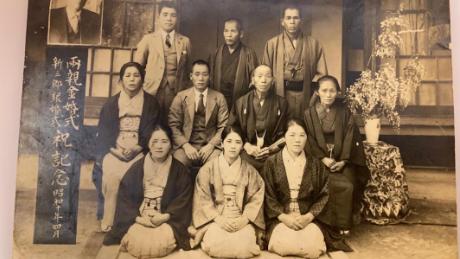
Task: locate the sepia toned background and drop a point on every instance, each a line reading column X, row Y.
column 346, row 30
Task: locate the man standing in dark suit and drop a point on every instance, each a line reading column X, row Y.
column 74, row 25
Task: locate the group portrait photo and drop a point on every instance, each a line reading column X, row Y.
column 237, row 129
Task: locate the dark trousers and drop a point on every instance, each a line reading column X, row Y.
column 165, row 96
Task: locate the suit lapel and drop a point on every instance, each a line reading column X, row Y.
column 210, row 103
column 179, row 46
column 190, row 101
column 158, row 43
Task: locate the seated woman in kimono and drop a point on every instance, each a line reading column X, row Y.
column 227, row 205
column 125, row 125
column 296, row 191
column 261, row 115
column 154, row 205
column 334, row 139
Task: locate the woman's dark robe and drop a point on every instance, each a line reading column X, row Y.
column 347, row 147
column 107, row 134
column 347, row 139
column 176, row 200
column 313, row 194
column 109, row 124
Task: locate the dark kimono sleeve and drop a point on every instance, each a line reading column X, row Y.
column 252, row 61
column 151, row 117
column 347, row 143
column 104, row 137
column 273, row 208
column 180, row 207
column 285, row 115
column 315, row 149
column 322, row 188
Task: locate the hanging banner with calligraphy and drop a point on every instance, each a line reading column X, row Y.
column 61, row 134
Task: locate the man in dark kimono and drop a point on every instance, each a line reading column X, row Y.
column 73, row 24
column 296, row 60
column 232, row 63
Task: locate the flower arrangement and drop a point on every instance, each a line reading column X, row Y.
column 381, row 93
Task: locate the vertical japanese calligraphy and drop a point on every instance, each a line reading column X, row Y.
column 61, row 132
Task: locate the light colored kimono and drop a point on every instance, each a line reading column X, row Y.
column 230, row 191
column 130, row 111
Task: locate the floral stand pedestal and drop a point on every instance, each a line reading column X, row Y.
column 386, row 197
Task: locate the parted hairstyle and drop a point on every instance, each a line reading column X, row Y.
column 327, row 78
column 139, row 67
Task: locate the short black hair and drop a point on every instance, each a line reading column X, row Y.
column 166, row 129
column 328, row 78
column 291, row 6
column 139, row 67
column 201, row 62
column 166, row 4
column 239, row 23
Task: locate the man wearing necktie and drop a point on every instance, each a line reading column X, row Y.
column 197, row 117
column 166, row 57
column 73, row 24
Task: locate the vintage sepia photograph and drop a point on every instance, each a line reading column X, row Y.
column 237, row 129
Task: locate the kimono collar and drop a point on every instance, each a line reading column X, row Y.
column 152, row 167
column 130, row 105
column 288, row 158
column 229, row 172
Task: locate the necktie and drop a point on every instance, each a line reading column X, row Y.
column 200, row 108
column 168, row 41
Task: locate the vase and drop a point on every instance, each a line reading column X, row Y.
column 372, row 130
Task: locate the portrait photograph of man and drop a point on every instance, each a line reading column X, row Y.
column 75, row 22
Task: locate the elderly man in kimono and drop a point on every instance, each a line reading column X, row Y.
column 296, row 60
column 166, row 56
column 197, row 117
column 232, row 63
column 228, row 203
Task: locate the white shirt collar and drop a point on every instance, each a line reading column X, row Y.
column 197, row 97
column 171, row 34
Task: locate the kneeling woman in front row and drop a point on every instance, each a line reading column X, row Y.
column 296, row 193
column 227, row 205
column 154, row 203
